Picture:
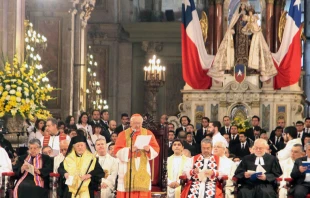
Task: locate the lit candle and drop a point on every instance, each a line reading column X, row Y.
column 164, row 73
column 144, row 73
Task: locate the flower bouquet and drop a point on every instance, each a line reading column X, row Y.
column 241, row 124
column 23, row 91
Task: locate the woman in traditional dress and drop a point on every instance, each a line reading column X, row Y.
column 32, row 171
column 81, row 167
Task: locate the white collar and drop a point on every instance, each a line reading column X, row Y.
column 259, row 160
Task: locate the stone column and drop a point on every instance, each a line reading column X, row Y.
column 79, row 90
column 306, row 65
column 270, row 24
column 12, row 16
column 218, row 30
column 209, row 42
column 278, row 5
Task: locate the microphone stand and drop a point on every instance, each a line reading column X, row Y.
column 130, row 165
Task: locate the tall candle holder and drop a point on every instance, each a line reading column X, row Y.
column 154, row 78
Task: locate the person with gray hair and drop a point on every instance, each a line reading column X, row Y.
column 36, row 182
column 226, row 167
column 301, row 176
column 287, row 167
column 258, row 185
column 202, row 172
column 64, row 144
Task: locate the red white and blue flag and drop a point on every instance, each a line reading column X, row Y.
column 239, row 73
column 288, row 57
column 195, row 59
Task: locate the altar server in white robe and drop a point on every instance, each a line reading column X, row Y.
column 109, row 165
column 5, row 163
column 287, row 167
column 290, row 137
column 175, row 166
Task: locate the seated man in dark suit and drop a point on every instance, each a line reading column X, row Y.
column 226, row 128
column 260, row 186
column 242, row 149
column 184, row 121
column 182, row 137
column 276, row 142
column 124, row 125
column 301, row 179
column 202, row 132
column 250, row 132
column 234, row 139
column 190, row 140
column 280, row 123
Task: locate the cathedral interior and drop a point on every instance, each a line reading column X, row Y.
column 122, row 36
column 98, row 53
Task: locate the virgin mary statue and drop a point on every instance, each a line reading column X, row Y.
column 257, row 56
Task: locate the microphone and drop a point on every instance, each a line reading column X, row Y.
column 132, row 133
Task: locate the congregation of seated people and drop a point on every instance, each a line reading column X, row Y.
column 254, row 163
column 257, row 163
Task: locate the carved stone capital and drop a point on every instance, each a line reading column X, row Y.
column 151, row 47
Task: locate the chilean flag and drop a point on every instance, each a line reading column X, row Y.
column 195, row 59
column 288, row 58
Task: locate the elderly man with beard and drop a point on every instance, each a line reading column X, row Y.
column 175, row 166
column 109, row 165
column 36, row 182
column 226, row 167
column 202, row 173
column 81, row 170
column 262, row 185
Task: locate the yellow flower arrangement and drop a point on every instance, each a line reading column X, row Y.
column 23, row 91
column 241, row 124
